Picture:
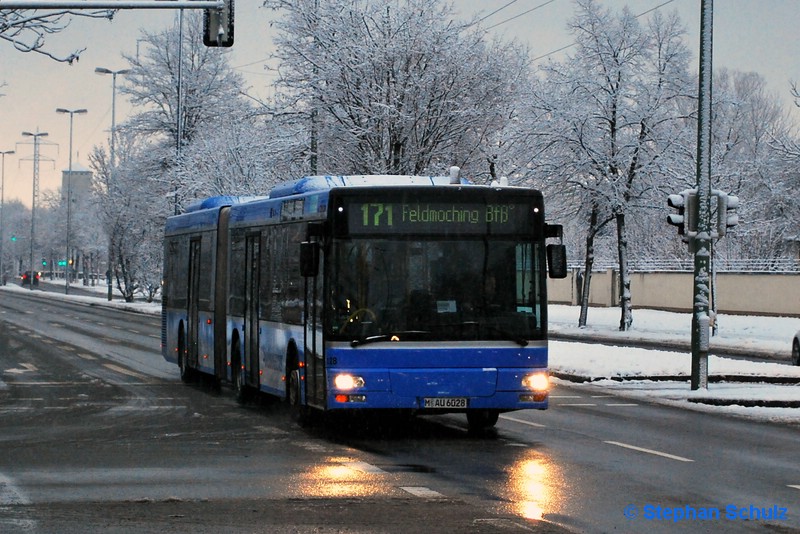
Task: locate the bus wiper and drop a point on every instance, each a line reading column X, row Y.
column 393, row 336
column 370, row 339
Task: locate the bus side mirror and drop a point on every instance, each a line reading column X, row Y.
column 557, row 261
column 309, row 258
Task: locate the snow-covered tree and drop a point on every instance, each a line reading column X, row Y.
column 608, row 117
column 133, row 209
column 16, row 223
column 394, row 87
column 211, row 89
column 746, row 161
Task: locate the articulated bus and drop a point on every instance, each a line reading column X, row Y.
column 407, row 293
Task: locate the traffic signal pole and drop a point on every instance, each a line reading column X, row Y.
column 702, row 250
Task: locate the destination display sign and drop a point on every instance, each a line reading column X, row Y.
column 440, row 217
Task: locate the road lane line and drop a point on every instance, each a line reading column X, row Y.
column 364, row 467
column 421, row 491
column 795, row 486
column 621, row 404
column 522, row 421
column 122, row 370
column 649, row 451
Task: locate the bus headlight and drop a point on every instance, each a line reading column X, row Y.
column 536, row 382
column 348, row 382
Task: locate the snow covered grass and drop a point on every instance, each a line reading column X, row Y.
column 629, row 371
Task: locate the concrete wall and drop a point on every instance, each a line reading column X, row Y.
column 736, row 293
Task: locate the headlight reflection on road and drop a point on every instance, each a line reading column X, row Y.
column 535, row 486
column 340, row 477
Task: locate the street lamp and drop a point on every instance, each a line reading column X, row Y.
column 2, row 202
column 69, row 191
column 113, row 73
column 36, row 137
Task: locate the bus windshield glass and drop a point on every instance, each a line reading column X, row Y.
column 425, row 288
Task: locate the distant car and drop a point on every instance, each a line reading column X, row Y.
column 26, row 278
column 796, row 349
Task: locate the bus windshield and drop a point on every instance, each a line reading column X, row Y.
column 435, row 288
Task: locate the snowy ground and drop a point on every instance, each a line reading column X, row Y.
column 656, row 374
column 635, row 372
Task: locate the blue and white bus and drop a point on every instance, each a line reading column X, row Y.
column 420, row 294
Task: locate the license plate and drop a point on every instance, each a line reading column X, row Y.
column 445, row 402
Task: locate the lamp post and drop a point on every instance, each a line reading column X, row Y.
column 69, row 193
column 36, row 137
column 2, row 202
column 113, row 73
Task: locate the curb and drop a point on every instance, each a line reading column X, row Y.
column 747, row 403
column 717, row 379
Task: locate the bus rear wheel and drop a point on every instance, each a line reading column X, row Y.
column 479, row 420
column 298, row 412
column 187, row 373
column 241, row 390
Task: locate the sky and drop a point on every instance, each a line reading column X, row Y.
column 749, row 35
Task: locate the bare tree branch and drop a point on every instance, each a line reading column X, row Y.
column 27, row 29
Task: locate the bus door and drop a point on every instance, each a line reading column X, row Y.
column 252, row 266
column 315, row 368
column 193, row 299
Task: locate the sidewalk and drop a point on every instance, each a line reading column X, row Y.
column 768, row 390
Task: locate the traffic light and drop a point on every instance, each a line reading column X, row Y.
column 218, row 25
column 44, row 262
column 677, row 219
column 726, row 212
column 13, row 238
column 686, row 218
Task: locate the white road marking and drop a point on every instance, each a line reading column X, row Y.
column 421, row 491
column 649, row 451
column 795, row 486
column 522, row 421
column 122, row 370
column 10, row 493
column 364, row 467
column 26, row 368
column 621, row 404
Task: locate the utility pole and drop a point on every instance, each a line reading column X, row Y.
column 35, row 200
column 179, row 112
column 702, row 241
column 2, row 204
